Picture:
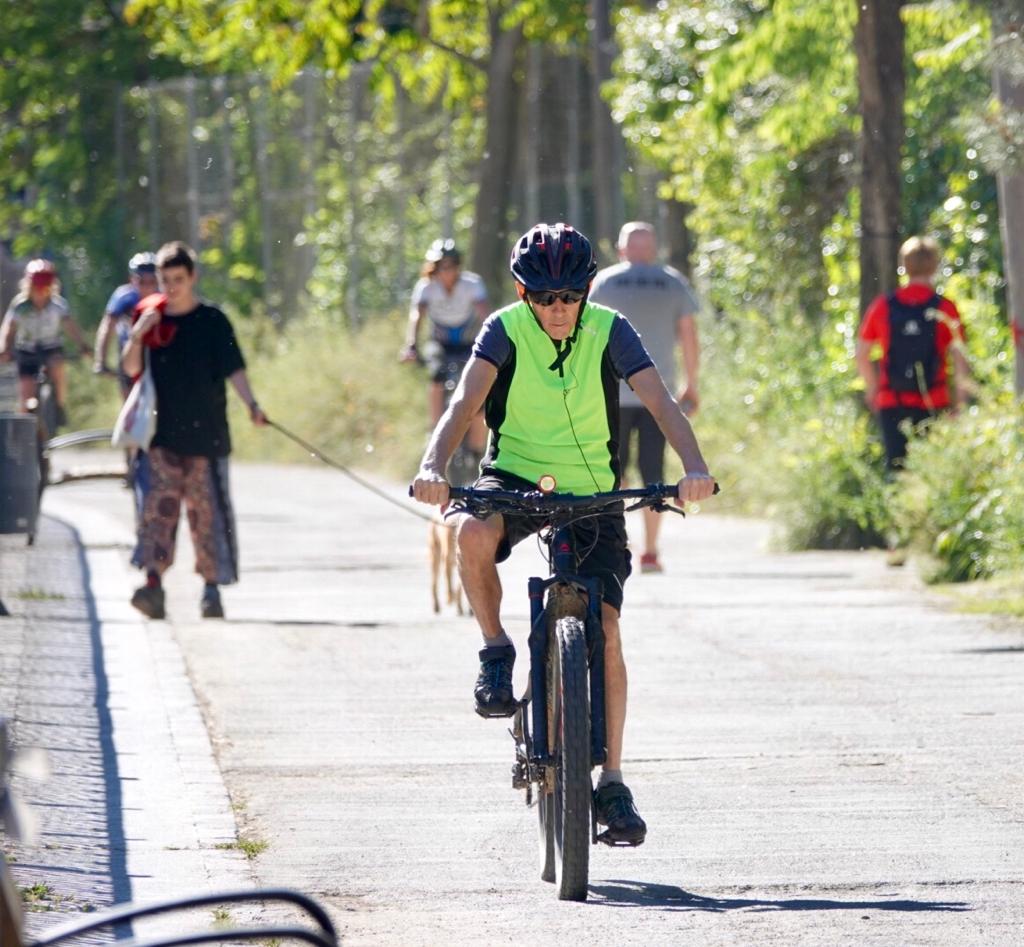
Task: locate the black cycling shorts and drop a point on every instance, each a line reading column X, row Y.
column 31, row 360
column 650, row 449
column 600, row 540
column 446, row 362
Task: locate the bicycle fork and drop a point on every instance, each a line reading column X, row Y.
column 530, row 729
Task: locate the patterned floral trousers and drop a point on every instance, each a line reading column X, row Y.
column 202, row 482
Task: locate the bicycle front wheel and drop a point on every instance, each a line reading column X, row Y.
column 569, row 803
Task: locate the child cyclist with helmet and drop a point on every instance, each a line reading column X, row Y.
column 33, row 323
column 546, row 371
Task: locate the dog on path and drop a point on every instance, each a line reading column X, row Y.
column 441, row 546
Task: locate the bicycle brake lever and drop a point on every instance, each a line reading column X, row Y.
column 662, row 507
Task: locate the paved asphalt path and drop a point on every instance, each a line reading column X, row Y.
column 824, row 754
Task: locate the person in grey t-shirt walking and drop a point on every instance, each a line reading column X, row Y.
column 661, row 305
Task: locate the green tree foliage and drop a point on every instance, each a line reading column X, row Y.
column 752, row 120
column 439, row 58
column 62, row 64
column 752, row 107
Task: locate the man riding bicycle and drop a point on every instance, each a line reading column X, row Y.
column 34, row 322
column 546, row 370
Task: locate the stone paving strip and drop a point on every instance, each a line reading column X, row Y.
column 51, row 692
column 134, row 807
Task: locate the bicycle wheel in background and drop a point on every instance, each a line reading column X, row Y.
column 565, row 806
column 48, row 411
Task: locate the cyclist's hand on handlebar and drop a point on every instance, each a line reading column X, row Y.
column 409, row 354
column 695, row 487
column 430, row 487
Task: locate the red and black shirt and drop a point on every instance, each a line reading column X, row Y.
column 875, row 328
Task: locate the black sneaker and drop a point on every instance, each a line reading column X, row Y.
column 493, row 691
column 614, row 807
column 210, row 605
column 149, row 599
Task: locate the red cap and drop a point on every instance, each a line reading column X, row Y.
column 40, row 272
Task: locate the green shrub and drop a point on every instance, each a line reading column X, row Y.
column 835, row 496
column 783, row 429
column 961, row 500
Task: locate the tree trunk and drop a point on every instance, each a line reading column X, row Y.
column 532, row 132
column 153, row 184
column 260, row 142
column 879, row 44
column 1010, row 182
column 679, row 242
column 192, row 163
column 607, row 142
column 573, row 138
column 492, row 241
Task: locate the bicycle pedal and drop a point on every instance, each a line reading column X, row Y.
column 494, row 715
column 616, row 843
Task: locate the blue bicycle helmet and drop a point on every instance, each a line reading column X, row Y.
column 142, row 263
column 553, row 256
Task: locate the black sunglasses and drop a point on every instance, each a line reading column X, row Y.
column 547, row 298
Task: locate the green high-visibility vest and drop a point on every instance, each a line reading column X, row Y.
column 554, row 409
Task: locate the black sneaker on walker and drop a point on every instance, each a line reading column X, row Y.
column 210, row 605
column 149, row 599
column 614, row 808
column 493, row 690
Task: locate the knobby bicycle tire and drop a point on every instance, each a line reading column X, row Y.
column 546, row 808
column 572, row 790
column 546, row 824
column 559, row 605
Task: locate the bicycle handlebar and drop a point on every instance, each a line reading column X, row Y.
column 535, row 501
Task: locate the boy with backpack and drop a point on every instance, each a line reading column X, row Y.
column 916, row 330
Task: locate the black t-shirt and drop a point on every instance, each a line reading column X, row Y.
column 189, row 376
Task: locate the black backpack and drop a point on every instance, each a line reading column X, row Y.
column 912, row 362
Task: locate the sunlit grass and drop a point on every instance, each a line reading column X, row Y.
column 999, row 596
column 343, row 391
column 36, row 594
column 248, row 846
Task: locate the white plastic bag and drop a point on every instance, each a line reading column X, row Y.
column 136, row 423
